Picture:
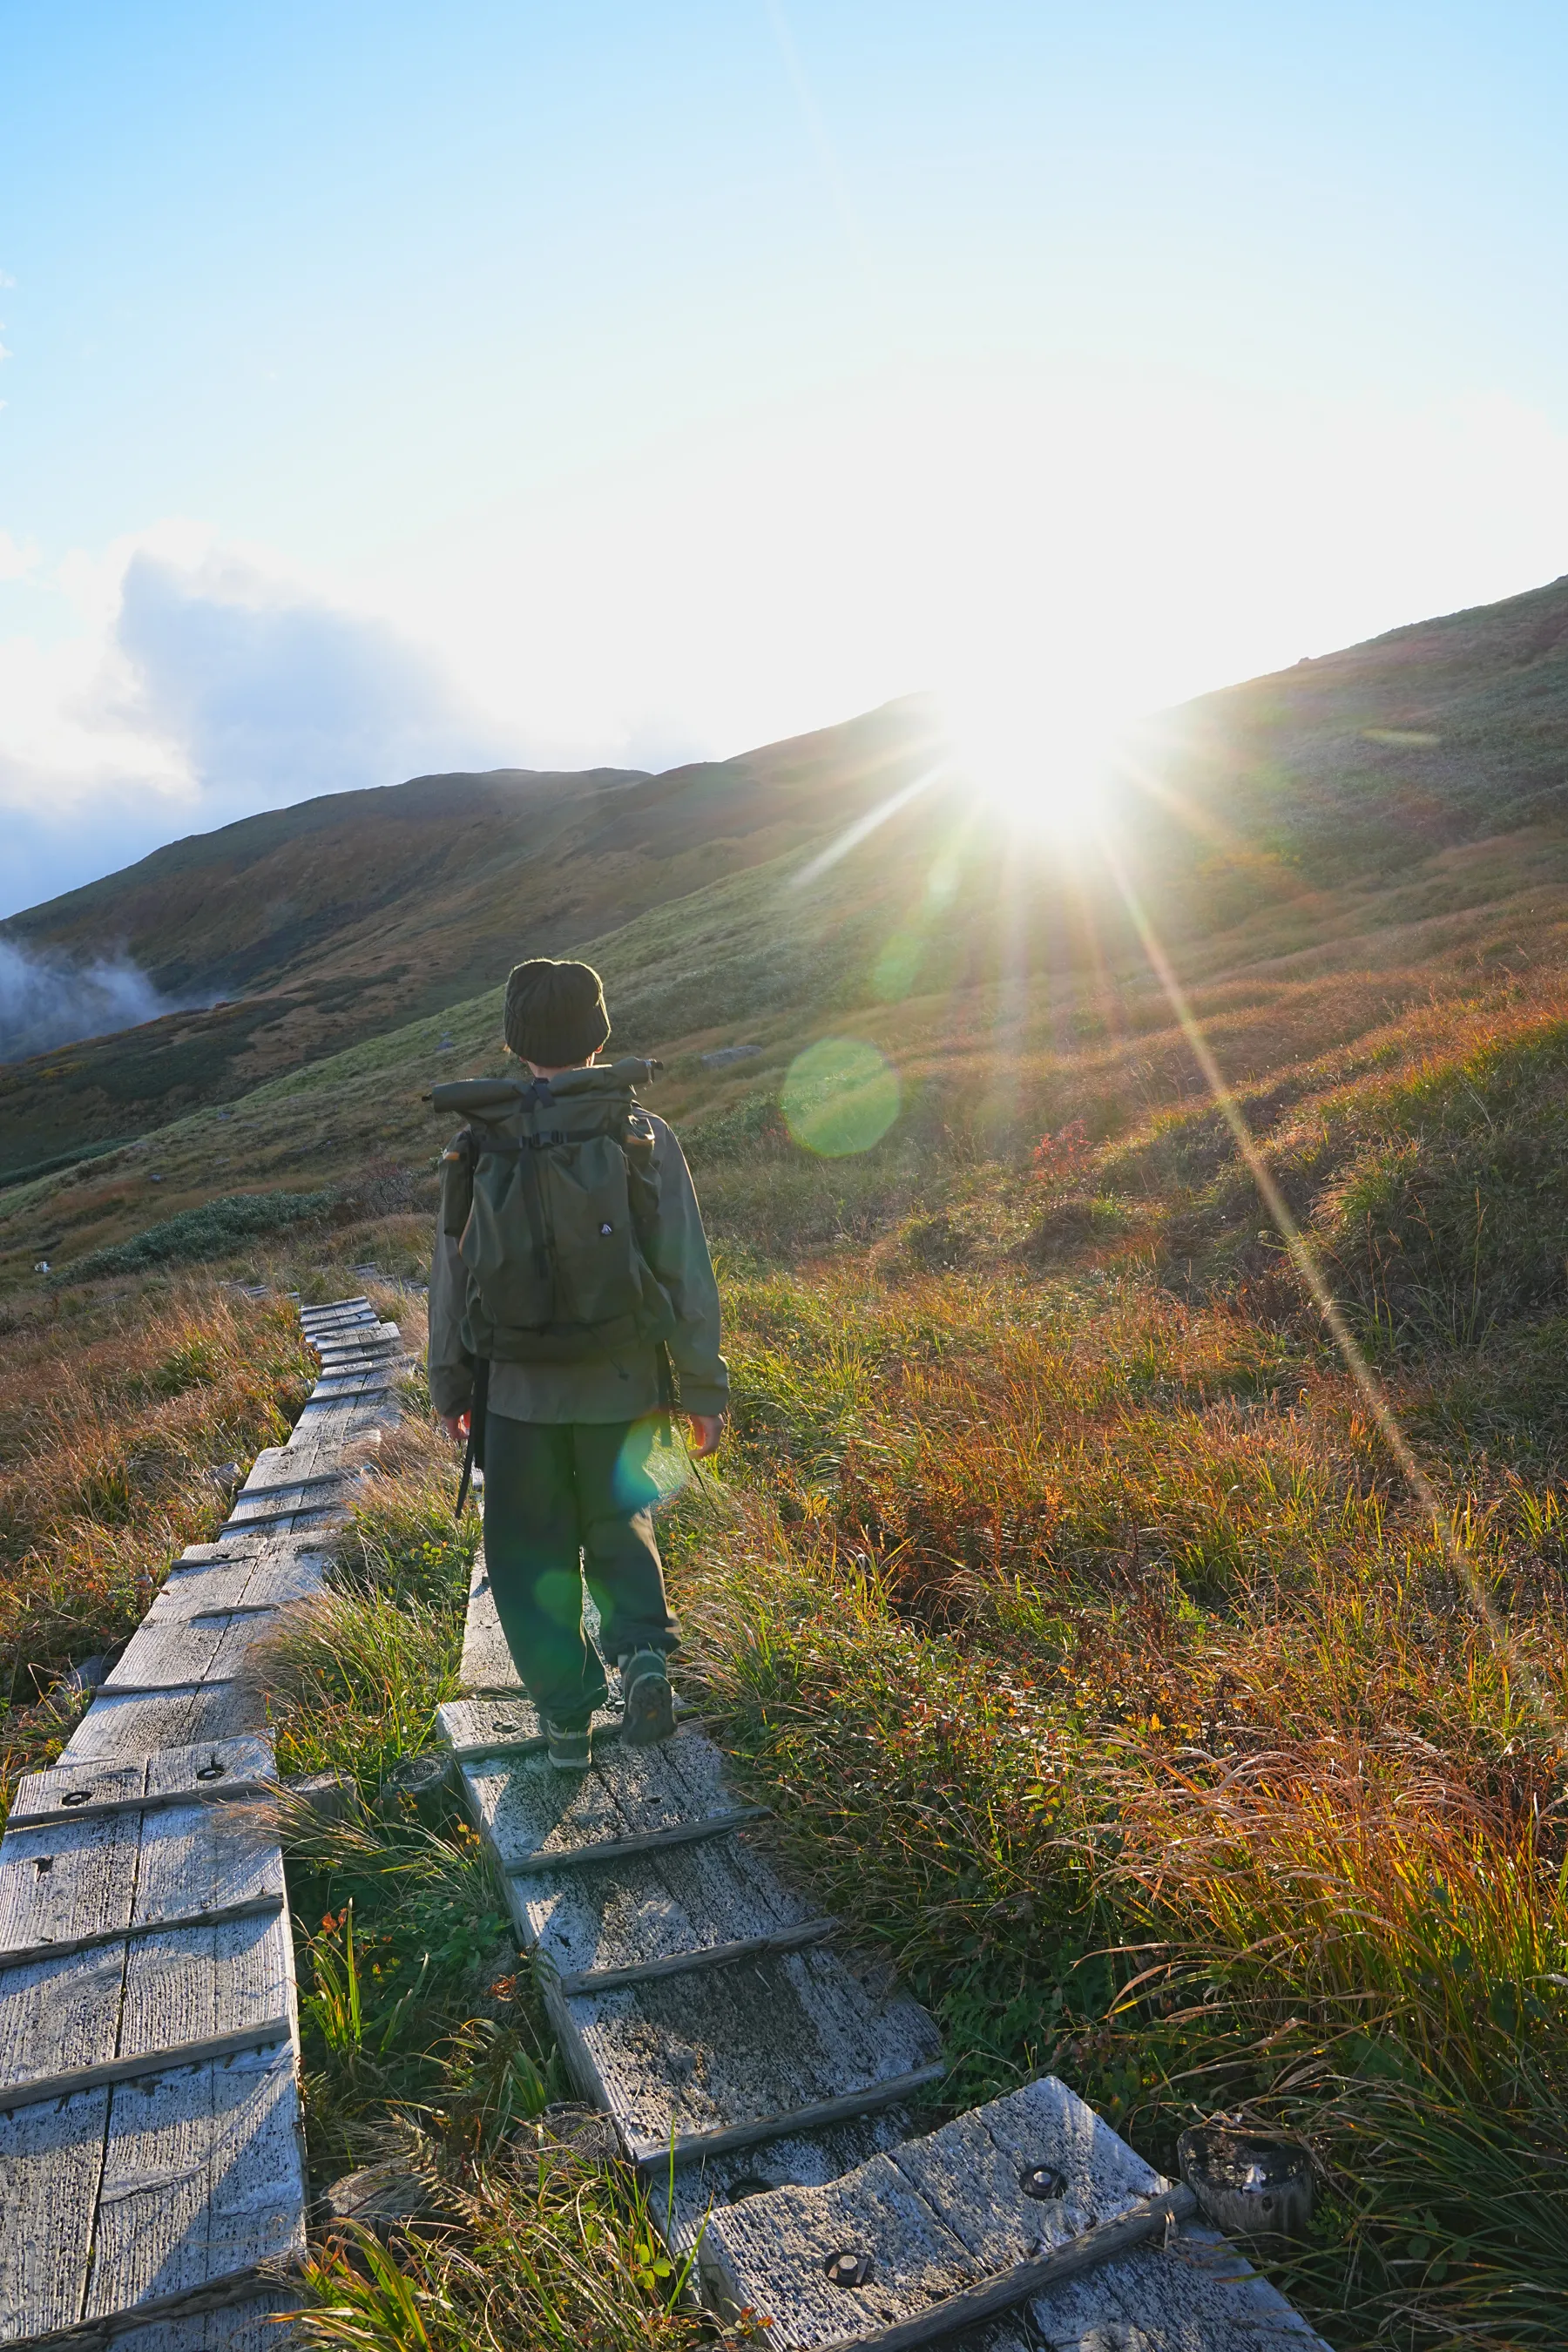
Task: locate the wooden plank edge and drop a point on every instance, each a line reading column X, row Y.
column 692, row 2146
column 111, row 1689
column 276, row 2277
column 156, row 1616
column 277, row 1518
column 534, row 1742
column 296, row 1485
column 1088, row 2252
column 221, row 1915
column 709, row 1956
column 112, row 2071
column 650, row 1842
column 236, row 1791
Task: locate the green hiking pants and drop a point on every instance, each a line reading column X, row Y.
column 563, row 1500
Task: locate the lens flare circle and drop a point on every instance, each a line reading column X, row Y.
column 840, row 1097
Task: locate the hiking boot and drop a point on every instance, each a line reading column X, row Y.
column 569, row 1750
column 648, row 1700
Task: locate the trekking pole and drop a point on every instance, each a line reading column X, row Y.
column 474, row 1452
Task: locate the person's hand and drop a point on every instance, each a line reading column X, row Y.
column 707, row 1429
column 455, row 1425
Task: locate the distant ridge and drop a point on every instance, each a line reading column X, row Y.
column 353, row 913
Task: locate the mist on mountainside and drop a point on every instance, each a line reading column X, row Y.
column 47, row 1001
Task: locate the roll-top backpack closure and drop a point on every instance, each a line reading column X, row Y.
column 556, row 1188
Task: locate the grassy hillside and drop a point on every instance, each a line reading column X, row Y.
column 1178, row 1694
column 1438, row 733
column 347, row 915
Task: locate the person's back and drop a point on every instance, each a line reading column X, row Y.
column 572, row 1305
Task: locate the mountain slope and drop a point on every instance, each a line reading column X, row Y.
column 349, row 915
column 1435, row 733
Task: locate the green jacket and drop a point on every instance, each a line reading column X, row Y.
column 620, row 1387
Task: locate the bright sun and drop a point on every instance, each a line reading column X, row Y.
column 1039, row 760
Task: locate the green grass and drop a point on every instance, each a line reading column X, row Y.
column 1095, row 1659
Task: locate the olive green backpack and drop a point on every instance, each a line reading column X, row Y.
column 551, row 1195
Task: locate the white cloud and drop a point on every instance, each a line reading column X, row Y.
column 17, row 560
column 198, row 686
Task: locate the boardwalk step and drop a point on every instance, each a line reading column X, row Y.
column 690, row 2065
column 725, row 2022
column 945, row 2231
column 536, row 1817
column 710, row 1955
column 309, row 1509
column 31, row 2090
column 60, row 1948
column 150, row 2140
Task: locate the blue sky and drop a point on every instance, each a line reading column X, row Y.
column 392, row 388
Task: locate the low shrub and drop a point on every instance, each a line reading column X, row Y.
column 213, row 1231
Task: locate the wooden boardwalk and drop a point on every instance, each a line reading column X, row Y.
column 152, row 2164
column 758, row 2074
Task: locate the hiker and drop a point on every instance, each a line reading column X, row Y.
column 573, row 1307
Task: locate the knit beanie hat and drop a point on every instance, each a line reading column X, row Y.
column 555, row 1012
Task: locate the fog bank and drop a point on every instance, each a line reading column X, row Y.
column 45, row 1000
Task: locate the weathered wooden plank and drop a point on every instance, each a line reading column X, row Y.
column 69, row 1787
column 344, row 1418
column 619, row 1850
column 230, row 1792
column 770, row 2254
column 948, row 2216
column 67, row 1880
column 1153, row 2219
column 484, row 1728
column 51, row 2161
column 260, row 1907
column 249, row 1491
column 1195, row 2294
column 742, row 2050
column 68, row 2015
column 710, row 1955
column 794, row 2159
column 487, row 1662
column 124, row 1724
column 58, row 2020
column 65, row 1788
column 970, row 2173
column 202, row 2179
column 533, row 1814
column 657, row 1907
column 83, row 1878
column 242, row 2320
column 199, row 2049
column 206, row 1981
column 267, row 1579
column 698, row 2147
column 315, row 1509
column 164, row 1652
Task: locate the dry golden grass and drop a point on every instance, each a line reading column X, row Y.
column 112, row 1419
